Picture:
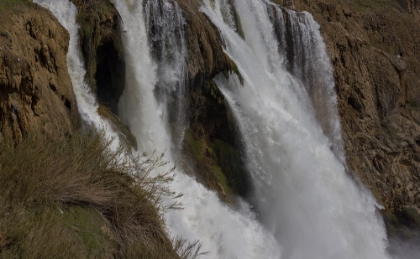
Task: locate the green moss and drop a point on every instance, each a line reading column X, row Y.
column 229, row 159
column 86, row 26
column 218, row 163
column 201, row 151
column 391, row 221
column 215, row 92
column 124, row 131
column 91, row 228
column 13, row 5
column 221, row 179
column 45, row 230
column 410, row 216
column 92, row 29
column 195, row 147
column 87, row 16
column 233, row 68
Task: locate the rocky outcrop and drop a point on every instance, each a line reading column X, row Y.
column 375, row 50
column 101, row 45
column 210, row 124
column 36, row 92
column 102, row 49
column 218, row 160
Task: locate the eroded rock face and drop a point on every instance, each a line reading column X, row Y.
column 102, row 49
column 36, row 92
column 210, row 123
column 375, row 50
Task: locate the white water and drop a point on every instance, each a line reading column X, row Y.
column 302, row 192
column 87, row 105
column 308, row 205
column 165, row 30
column 224, row 233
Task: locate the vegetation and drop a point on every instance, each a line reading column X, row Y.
column 72, row 197
column 124, row 131
column 88, row 12
column 13, row 5
column 233, row 69
column 219, row 164
column 403, row 223
column 362, row 4
column 102, row 48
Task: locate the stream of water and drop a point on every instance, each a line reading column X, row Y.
column 306, row 206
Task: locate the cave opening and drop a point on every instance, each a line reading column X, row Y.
column 110, row 76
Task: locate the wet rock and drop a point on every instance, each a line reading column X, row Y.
column 102, row 49
column 376, row 58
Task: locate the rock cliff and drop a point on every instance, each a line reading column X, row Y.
column 210, row 141
column 36, row 92
column 44, row 154
column 374, row 47
column 101, row 45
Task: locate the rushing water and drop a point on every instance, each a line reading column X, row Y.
column 302, row 192
column 307, row 206
column 87, row 105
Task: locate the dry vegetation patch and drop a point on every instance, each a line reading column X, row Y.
column 71, row 197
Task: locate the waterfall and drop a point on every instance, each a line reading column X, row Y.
column 223, row 232
column 306, row 205
column 304, row 50
column 165, row 29
column 87, row 104
column 302, row 193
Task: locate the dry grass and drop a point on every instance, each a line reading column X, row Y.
column 13, row 5
column 71, row 197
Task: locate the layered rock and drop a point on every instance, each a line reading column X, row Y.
column 36, row 92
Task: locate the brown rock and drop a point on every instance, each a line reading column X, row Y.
column 102, row 49
column 375, row 51
column 36, row 91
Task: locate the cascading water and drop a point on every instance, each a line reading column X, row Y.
column 165, row 30
column 308, row 205
column 87, row 105
column 305, row 57
column 302, row 192
column 224, row 232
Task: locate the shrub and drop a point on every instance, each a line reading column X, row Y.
column 72, row 197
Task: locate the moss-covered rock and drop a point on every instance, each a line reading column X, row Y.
column 124, row 131
column 101, row 44
column 410, row 217
column 218, row 165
